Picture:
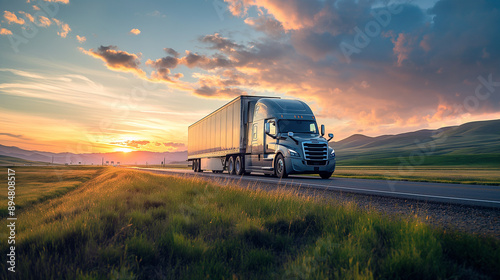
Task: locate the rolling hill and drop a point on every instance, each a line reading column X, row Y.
column 474, row 143
column 136, row 157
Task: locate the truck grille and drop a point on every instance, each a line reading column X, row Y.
column 315, row 151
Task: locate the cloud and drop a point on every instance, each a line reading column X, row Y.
column 135, row 31
column 64, row 28
column 174, row 144
column 28, row 16
column 81, row 39
column 420, row 65
column 58, row 1
column 4, row 31
column 12, row 18
column 172, row 52
column 136, row 143
column 36, row 8
column 420, row 62
column 117, row 60
column 156, row 14
column 45, row 22
column 218, row 42
column 18, row 136
column 266, row 24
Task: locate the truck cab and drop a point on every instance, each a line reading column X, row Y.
column 284, row 138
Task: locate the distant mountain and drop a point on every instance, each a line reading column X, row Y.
column 474, row 143
column 136, row 157
column 5, row 161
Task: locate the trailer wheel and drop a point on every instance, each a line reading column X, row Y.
column 230, row 166
column 195, row 165
column 239, row 168
column 279, row 167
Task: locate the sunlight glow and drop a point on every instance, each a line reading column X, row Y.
column 125, row 150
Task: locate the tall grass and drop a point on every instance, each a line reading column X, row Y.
column 41, row 183
column 130, row 224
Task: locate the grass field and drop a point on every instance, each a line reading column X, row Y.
column 127, row 224
column 43, row 183
column 441, row 174
column 13, row 161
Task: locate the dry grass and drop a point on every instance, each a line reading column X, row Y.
column 443, row 174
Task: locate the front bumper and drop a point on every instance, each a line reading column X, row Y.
column 299, row 165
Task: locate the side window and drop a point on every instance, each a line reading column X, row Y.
column 312, row 128
column 254, row 132
column 272, row 124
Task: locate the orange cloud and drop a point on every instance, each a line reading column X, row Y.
column 81, row 39
column 58, row 1
column 28, row 16
column 12, row 18
column 64, row 28
column 44, row 22
column 135, row 31
column 4, row 31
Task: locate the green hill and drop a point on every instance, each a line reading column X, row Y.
column 474, row 143
column 6, row 160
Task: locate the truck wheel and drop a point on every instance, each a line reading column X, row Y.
column 279, row 167
column 195, row 165
column 230, row 166
column 325, row 175
column 239, row 169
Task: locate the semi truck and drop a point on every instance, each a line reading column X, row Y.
column 261, row 134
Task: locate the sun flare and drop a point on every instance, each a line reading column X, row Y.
column 125, row 150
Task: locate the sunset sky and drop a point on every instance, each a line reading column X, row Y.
column 103, row 76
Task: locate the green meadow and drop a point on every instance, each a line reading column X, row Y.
column 126, row 224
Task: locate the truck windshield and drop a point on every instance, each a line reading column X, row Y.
column 297, row 126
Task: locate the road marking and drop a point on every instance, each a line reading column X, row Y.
column 332, row 187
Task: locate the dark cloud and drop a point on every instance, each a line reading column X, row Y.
column 18, row 136
column 171, row 52
column 215, row 41
column 266, row 24
column 116, row 59
column 218, row 92
column 165, row 62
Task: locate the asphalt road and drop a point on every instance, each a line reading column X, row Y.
column 472, row 195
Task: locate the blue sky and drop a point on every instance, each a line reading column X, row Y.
column 81, row 81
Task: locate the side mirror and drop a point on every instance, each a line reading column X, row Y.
column 267, row 128
column 331, row 136
column 322, row 130
column 290, row 134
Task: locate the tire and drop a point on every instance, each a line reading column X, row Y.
column 239, row 168
column 195, row 165
column 325, row 175
column 230, row 166
column 280, row 167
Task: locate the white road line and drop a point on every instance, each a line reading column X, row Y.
column 339, row 187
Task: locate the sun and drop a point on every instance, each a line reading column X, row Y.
column 125, row 150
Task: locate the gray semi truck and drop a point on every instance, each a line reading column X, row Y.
column 263, row 135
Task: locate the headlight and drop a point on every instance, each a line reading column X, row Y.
column 332, row 153
column 293, row 153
